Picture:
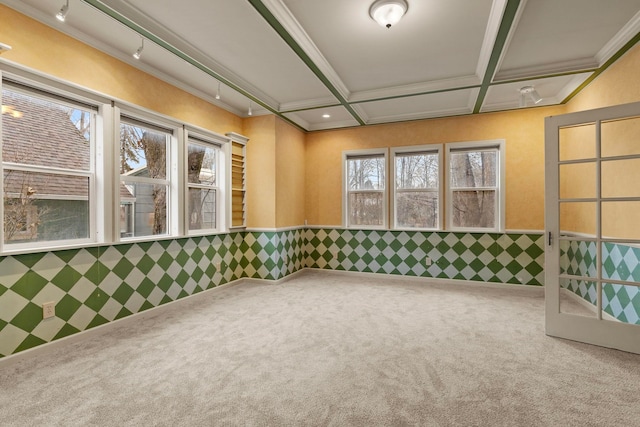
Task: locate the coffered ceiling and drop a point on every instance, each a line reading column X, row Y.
column 305, row 60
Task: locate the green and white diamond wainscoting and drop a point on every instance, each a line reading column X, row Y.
column 516, row 258
column 95, row 286
column 619, row 262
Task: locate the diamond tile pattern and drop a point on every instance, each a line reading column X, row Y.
column 619, row 262
column 94, row 286
column 489, row 257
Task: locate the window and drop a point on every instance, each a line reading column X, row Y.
column 47, row 168
column 203, row 184
column 145, row 198
column 365, row 189
column 476, row 181
column 417, row 187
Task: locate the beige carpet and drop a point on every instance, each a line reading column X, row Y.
column 334, row 350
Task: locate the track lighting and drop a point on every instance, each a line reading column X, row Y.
column 138, row 53
column 532, row 93
column 250, row 113
column 218, row 92
column 62, row 13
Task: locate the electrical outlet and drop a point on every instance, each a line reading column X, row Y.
column 48, row 309
column 427, row 261
column 218, row 265
column 285, row 259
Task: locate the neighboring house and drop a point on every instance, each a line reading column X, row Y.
column 40, row 205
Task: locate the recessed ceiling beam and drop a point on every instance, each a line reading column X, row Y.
column 284, row 34
column 508, row 19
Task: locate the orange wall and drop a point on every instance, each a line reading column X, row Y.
column 616, row 85
column 523, row 131
column 45, row 49
column 290, row 175
column 261, row 171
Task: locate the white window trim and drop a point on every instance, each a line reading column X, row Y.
column 385, row 193
column 41, row 87
column 175, row 167
column 500, row 145
column 104, row 210
column 221, row 143
column 418, row 149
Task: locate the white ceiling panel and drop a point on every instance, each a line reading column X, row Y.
column 419, row 107
column 315, row 120
column 556, row 36
column 300, row 59
column 232, row 34
column 552, row 90
column 423, row 47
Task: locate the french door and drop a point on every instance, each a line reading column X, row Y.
column 592, row 222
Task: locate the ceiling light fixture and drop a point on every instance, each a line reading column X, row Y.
column 326, row 116
column 218, row 92
column 388, row 12
column 250, row 113
column 138, row 53
column 62, row 13
column 532, row 93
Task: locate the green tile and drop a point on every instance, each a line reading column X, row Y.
column 66, row 255
column 145, row 264
column 29, row 285
column 66, row 278
column 29, row 342
column 182, row 258
column 67, row 307
column 96, row 273
column 123, row 248
column 182, row 278
column 65, row 331
column 28, row 318
column 165, row 282
column 145, row 287
column 30, row 260
column 97, row 321
column 123, row 268
column 97, row 300
column 165, row 261
column 123, row 313
column 123, row 293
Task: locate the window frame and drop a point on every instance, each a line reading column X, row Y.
column 221, row 144
column 40, row 88
column 499, row 145
column 416, row 149
column 174, row 164
column 350, row 154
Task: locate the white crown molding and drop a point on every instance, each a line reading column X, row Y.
column 415, row 89
column 308, row 104
column 421, row 115
column 293, row 27
column 334, row 125
column 360, row 112
column 121, row 56
column 130, row 11
column 294, row 117
column 571, row 66
column 627, row 32
column 490, row 36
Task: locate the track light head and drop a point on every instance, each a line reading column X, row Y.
column 138, row 53
column 218, row 92
column 62, row 13
column 532, row 93
column 250, row 112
